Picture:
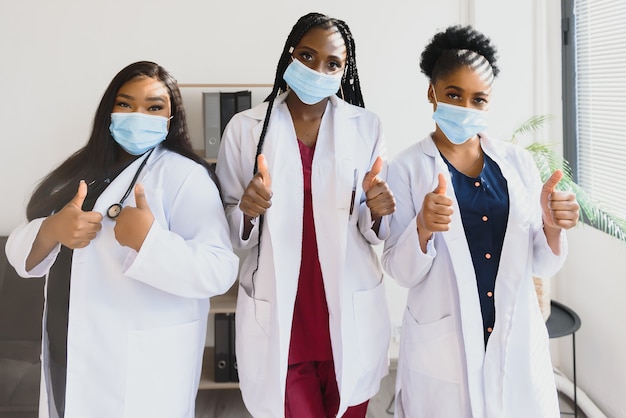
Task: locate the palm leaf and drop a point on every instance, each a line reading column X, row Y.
column 547, row 161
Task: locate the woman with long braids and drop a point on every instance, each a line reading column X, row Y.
column 131, row 234
column 474, row 224
column 303, row 181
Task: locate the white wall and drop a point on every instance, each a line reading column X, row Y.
column 56, row 59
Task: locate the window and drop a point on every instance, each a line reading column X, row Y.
column 594, row 98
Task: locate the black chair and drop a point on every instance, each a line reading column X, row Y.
column 21, row 310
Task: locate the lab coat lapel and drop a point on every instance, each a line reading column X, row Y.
column 284, row 218
column 331, row 161
column 517, row 238
column 469, row 303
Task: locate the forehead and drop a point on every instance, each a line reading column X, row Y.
column 467, row 78
column 328, row 41
column 143, row 85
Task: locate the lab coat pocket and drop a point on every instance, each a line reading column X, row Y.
column 252, row 330
column 161, row 371
column 431, row 348
column 373, row 325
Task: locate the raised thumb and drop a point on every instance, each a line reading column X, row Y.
column 79, row 197
column 550, row 184
column 441, row 187
column 263, row 170
column 140, row 197
column 376, row 167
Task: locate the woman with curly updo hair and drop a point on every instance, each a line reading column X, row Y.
column 473, row 225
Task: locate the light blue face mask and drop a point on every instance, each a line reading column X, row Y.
column 137, row 132
column 309, row 85
column 459, row 123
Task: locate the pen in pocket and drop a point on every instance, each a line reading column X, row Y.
column 356, row 177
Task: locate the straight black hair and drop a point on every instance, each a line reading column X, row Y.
column 101, row 153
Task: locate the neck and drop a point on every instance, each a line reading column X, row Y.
column 304, row 111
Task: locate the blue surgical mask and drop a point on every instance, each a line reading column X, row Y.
column 137, row 132
column 459, row 123
column 309, row 85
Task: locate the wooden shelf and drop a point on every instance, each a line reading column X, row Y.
column 225, row 303
column 200, row 153
column 207, row 378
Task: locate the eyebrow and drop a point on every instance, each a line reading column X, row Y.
column 452, row 86
column 151, row 98
column 309, row 49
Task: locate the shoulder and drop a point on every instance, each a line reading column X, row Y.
column 509, row 151
column 351, row 111
column 414, row 155
column 177, row 168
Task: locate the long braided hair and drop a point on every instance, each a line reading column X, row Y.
column 349, row 91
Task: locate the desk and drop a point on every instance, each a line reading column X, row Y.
column 564, row 321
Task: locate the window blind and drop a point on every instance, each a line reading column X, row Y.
column 600, row 59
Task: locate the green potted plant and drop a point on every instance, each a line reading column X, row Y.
column 591, row 211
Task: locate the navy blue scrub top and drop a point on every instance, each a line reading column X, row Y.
column 484, row 207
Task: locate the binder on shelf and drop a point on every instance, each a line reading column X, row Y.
column 212, row 132
column 234, row 375
column 218, row 109
column 222, row 348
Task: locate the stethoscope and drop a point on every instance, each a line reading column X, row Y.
column 116, row 208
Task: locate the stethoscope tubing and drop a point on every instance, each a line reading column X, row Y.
column 116, row 208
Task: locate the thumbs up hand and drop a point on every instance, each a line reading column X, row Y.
column 560, row 209
column 256, row 199
column 436, row 212
column 133, row 223
column 71, row 226
column 379, row 197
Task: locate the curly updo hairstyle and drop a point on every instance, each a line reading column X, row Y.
column 456, row 47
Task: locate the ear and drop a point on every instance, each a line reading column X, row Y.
column 430, row 94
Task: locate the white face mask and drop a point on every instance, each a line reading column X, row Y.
column 309, row 85
column 137, row 132
column 459, row 123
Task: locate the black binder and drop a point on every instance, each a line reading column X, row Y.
column 231, row 103
column 234, row 375
column 222, row 347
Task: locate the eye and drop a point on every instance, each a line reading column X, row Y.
column 155, row 108
column 306, row 57
column 122, row 104
column 334, row 65
column 481, row 101
column 453, row 96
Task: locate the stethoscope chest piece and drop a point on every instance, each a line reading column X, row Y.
column 114, row 210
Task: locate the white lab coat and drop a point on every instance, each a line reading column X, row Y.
column 349, row 138
column 443, row 369
column 137, row 321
